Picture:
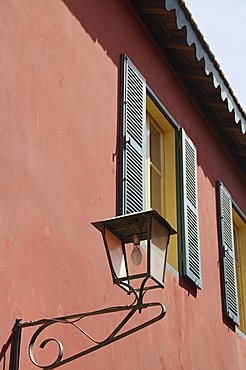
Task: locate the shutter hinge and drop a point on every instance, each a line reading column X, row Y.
column 126, row 142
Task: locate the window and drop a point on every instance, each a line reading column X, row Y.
column 155, row 165
column 239, row 231
column 161, row 171
column 232, row 231
column 158, row 166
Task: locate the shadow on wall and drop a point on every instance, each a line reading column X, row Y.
column 104, row 29
column 7, row 354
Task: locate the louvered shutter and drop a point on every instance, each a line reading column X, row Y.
column 190, row 232
column 134, row 139
column 227, row 254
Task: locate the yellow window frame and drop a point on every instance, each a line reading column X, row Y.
column 168, row 172
column 239, row 229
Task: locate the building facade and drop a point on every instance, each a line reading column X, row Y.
column 112, row 107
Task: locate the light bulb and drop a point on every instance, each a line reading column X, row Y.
column 136, row 255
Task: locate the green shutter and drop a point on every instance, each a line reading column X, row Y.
column 134, row 139
column 191, row 259
column 229, row 279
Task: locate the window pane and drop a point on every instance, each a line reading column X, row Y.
column 155, row 190
column 240, row 285
column 158, row 250
column 155, row 147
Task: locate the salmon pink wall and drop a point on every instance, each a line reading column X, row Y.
column 59, row 94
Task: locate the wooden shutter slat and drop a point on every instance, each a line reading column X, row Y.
column 229, row 278
column 134, row 137
column 190, row 237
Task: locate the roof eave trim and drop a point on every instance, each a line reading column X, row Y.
column 192, row 38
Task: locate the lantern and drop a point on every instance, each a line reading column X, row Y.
column 136, row 246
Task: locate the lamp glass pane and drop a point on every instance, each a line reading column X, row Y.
column 116, row 254
column 158, row 250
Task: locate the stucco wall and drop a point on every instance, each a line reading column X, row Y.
column 59, row 73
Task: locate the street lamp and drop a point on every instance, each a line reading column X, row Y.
column 136, row 246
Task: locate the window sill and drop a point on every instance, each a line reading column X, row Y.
column 239, row 332
column 173, row 271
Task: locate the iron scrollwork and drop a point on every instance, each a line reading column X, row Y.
column 136, row 306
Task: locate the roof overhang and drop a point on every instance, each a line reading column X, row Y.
column 171, row 25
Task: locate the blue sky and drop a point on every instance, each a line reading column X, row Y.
column 222, row 23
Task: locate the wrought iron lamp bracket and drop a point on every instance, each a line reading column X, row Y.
column 116, row 334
